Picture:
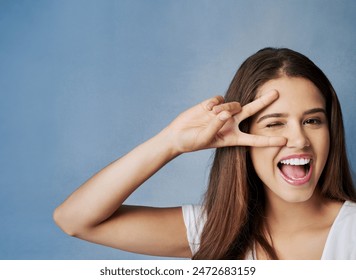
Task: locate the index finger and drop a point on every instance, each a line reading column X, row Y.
column 252, row 108
column 261, row 141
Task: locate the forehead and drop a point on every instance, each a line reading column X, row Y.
column 295, row 94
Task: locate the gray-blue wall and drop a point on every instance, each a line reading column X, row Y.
column 83, row 82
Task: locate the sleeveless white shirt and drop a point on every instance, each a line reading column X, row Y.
column 340, row 243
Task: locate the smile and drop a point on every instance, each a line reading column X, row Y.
column 296, row 170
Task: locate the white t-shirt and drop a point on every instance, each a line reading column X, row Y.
column 340, row 243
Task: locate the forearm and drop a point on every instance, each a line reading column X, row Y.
column 209, row 124
column 99, row 197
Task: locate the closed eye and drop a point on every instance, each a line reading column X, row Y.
column 274, row 124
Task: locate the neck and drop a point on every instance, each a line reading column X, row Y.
column 293, row 216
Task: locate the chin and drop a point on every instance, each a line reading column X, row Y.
column 297, row 199
column 291, row 194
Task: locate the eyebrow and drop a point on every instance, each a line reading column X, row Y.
column 283, row 115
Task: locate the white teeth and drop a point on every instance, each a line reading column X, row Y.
column 296, row 161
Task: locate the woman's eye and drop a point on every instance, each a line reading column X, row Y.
column 312, row 121
column 274, row 124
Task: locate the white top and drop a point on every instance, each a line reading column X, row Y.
column 340, row 243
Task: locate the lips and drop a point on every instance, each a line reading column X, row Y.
column 296, row 169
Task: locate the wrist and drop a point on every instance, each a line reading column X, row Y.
column 166, row 140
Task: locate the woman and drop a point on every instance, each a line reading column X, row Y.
column 280, row 185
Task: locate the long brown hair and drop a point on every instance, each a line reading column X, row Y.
column 234, row 201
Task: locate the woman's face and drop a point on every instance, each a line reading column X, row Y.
column 291, row 172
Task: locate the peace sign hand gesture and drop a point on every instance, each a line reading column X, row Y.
column 214, row 124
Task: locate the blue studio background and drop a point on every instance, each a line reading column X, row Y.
column 82, row 82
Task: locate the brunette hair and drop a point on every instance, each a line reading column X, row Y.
column 234, row 201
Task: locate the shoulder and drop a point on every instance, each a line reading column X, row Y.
column 194, row 219
column 348, row 208
column 346, row 219
column 347, row 216
column 341, row 242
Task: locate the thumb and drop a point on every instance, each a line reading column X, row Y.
column 216, row 124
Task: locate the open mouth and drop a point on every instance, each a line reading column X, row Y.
column 295, row 171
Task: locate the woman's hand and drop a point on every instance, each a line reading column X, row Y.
column 214, row 124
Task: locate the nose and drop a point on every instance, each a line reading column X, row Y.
column 296, row 137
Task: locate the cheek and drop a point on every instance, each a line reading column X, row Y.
column 323, row 146
column 263, row 158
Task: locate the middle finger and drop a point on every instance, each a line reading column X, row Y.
column 252, row 108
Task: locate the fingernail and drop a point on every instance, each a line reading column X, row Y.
column 224, row 116
column 273, row 92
